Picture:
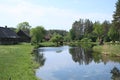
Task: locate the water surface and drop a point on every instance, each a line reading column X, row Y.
column 74, row 63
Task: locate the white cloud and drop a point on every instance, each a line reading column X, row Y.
column 50, row 17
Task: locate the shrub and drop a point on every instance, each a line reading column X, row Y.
column 86, row 40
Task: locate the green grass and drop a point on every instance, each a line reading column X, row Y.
column 47, row 44
column 108, row 49
column 16, row 62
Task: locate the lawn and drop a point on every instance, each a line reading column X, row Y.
column 16, row 62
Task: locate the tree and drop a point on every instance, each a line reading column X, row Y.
column 60, row 32
column 88, row 26
column 81, row 29
column 67, row 38
column 77, row 30
column 113, row 34
column 116, row 19
column 72, row 34
column 24, row 26
column 37, row 34
column 98, row 30
column 106, row 26
column 57, row 39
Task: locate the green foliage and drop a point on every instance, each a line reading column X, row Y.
column 23, row 26
column 106, row 26
column 111, row 50
column 91, row 36
column 98, row 30
column 88, row 26
column 80, row 29
column 77, row 30
column 116, row 19
column 72, row 34
column 86, row 40
column 60, row 32
column 113, row 34
column 47, row 44
column 67, row 38
column 16, row 62
column 37, row 34
column 57, row 39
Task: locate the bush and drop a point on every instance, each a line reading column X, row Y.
column 86, row 40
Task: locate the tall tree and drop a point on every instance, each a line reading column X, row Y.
column 106, row 26
column 113, row 34
column 77, row 29
column 116, row 19
column 88, row 26
column 72, row 34
column 25, row 26
column 81, row 29
column 37, row 34
column 98, row 30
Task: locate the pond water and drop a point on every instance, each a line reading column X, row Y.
column 75, row 63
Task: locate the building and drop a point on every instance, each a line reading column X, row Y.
column 24, row 36
column 8, row 36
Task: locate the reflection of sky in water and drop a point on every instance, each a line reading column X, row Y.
column 60, row 66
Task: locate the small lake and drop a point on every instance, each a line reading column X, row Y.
column 75, row 63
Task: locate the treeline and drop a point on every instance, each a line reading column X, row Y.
column 95, row 31
column 80, row 31
column 106, row 31
column 39, row 34
column 83, row 30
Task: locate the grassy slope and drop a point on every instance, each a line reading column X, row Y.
column 16, row 62
column 112, row 50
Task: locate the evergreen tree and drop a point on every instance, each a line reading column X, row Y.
column 116, row 19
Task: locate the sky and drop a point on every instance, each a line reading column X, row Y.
column 54, row 14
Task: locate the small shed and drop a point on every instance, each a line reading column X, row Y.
column 24, row 36
column 8, row 36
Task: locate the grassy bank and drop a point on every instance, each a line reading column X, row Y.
column 47, row 44
column 16, row 62
column 108, row 49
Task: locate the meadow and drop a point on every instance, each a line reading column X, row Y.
column 16, row 62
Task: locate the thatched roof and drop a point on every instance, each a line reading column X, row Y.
column 7, row 33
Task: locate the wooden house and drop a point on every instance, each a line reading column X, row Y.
column 8, row 36
column 24, row 36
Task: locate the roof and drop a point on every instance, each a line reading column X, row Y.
column 23, row 32
column 7, row 33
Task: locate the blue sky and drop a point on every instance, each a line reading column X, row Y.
column 54, row 14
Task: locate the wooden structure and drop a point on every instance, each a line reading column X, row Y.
column 24, row 36
column 8, row 36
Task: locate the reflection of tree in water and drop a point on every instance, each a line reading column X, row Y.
column 80, row 55
column 115, row 74
column 39, row 57
column 86, row 56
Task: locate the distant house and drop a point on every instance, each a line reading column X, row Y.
column 8, row 36
column 24, row 36
column 47, row 37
